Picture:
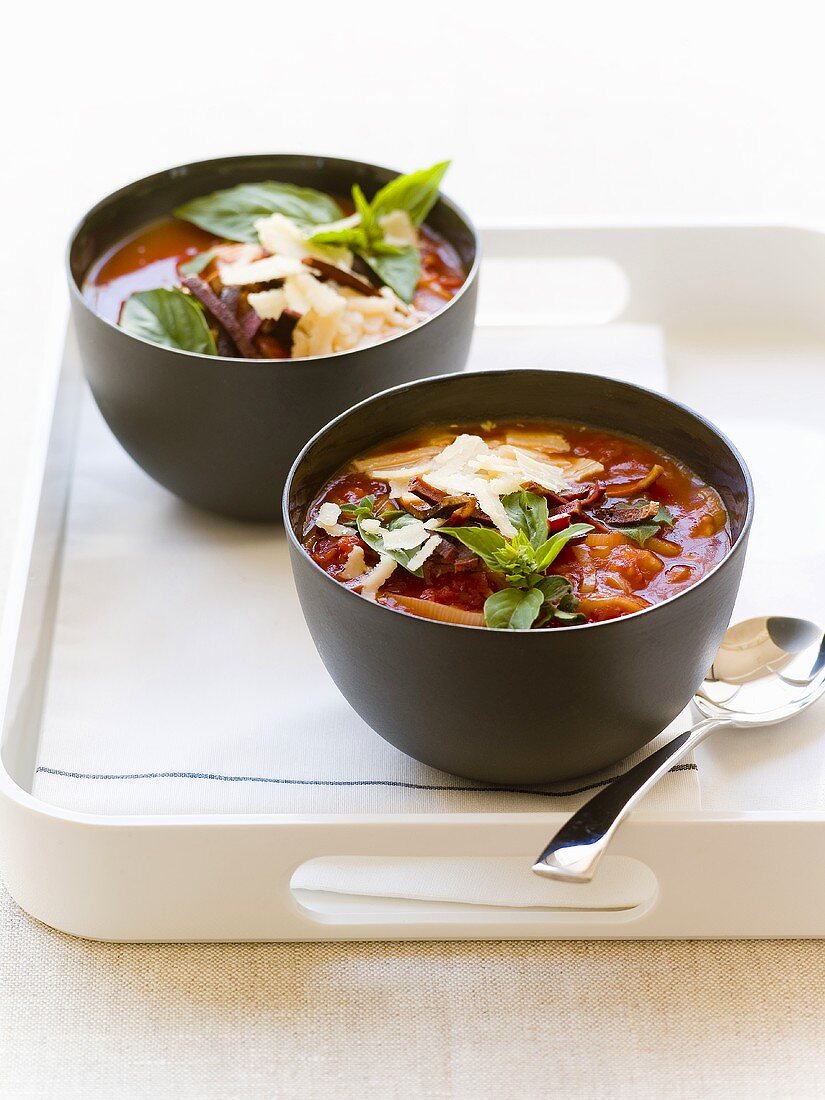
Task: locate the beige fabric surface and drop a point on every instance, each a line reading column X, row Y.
column 82, row 1020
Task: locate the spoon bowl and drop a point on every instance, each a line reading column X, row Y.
column 766, row 671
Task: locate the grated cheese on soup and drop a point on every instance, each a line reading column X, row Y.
column 470, row 465
column 378, row 575
column 327, row 520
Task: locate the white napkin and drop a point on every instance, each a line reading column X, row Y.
column 183, row 680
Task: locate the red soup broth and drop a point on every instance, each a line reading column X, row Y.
column 611, row 574
column 152, row 258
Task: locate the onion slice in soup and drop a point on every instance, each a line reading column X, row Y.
column 441, row 612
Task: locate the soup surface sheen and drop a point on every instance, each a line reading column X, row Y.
column 653, row 527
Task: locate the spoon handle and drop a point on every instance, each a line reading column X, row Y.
column 574, row 852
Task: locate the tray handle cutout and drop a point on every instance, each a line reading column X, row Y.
column 335, row 889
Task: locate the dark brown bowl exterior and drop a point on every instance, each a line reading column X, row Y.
column 223, row 433
column 525, row 707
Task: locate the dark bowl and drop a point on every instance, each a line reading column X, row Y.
column 530, row 706
column 222, row 433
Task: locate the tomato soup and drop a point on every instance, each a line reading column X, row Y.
column 517, row 525
column 269, row 270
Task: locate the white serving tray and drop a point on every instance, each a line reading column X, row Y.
column 742, row 310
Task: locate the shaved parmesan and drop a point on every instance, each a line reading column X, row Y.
column 398, row 485
column 400, row 472
column 322, row 297
column 282, row 237
column 542, row 472
column 470, row 466
column 462, row 450
column 551, row 442
column 374, row 306
column 377, row 576
column 355, row 565
column 322, row 308
column 260, row 271
column 426, row 550
column 327, row 520
column 580, row 469
column 390, row 464
column 491, row 504
column 268, row 304
column 237, row 253
column 405, row 538
column 398, row 229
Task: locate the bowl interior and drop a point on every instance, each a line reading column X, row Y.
column 126, row 211
column 535, row 394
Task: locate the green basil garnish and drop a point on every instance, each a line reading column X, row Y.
column 528, row 513
column 550, row 550
column 520, row 608
column 522, row 564
column 559, row 602
column 170, row 318
column 399, row 268
column 645, row 531
column 415, row 193
column 399, row 271
column 232, row 213
column 532, row 597
column 365, row 509
column 350, row 513
column 376, row 541
column 484, row 541
column 513, row 608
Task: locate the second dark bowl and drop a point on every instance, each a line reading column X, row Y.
column 520, row 707
column 222, row 433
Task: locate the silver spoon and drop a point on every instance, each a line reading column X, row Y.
column 766, row 670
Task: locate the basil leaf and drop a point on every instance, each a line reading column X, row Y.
column 559, row 602
column 517, row 561
column 170, row 318
column 528, row 513
column 571, row 618
column 366, row 502
column 369, row 226
column 483, row 541
column 398, row 268
column 641, row 533
column 512, row 608
column 348, row 237
column 400, row 271
column 550, row 550
column 376, row 541
column 415, row 193
column 232, row 213
column 554, row 588
column 198, row 263
column 364, row 507
column 645, row 531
